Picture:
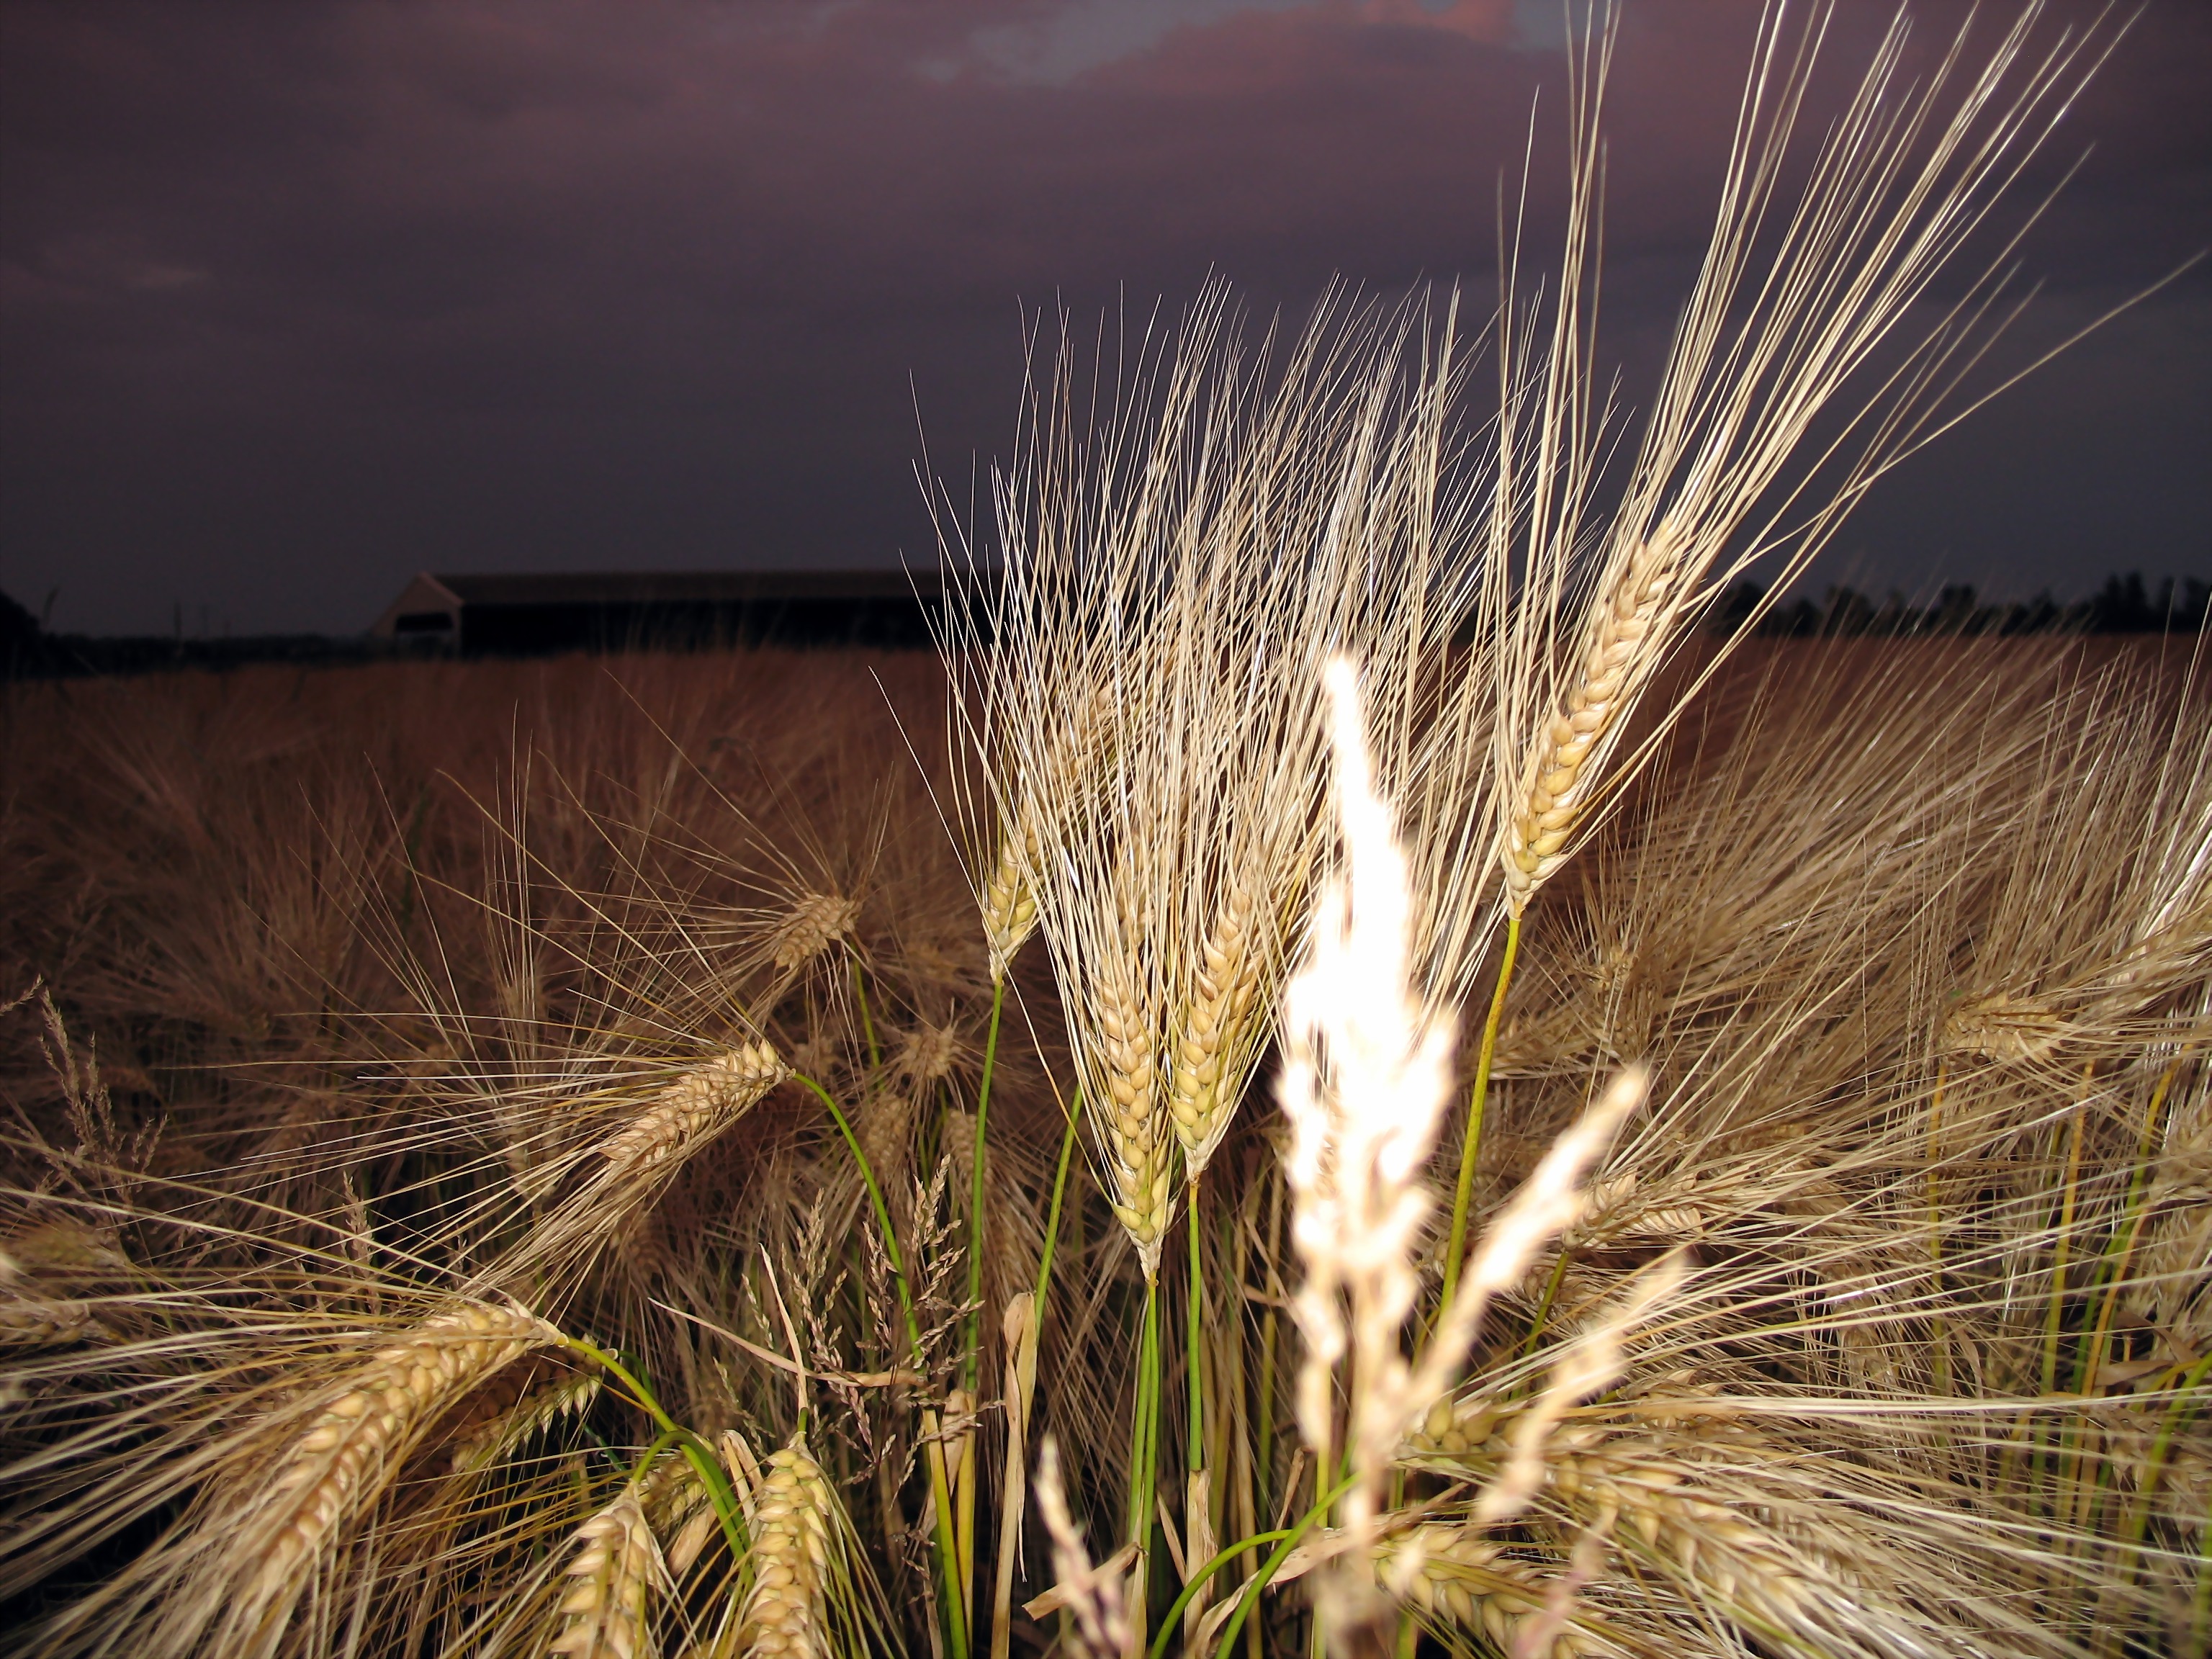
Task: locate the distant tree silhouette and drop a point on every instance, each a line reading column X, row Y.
column 18, row 627
column 2124, row 604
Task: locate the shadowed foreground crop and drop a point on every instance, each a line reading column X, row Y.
column 378, row 1025
column 1333, row 1072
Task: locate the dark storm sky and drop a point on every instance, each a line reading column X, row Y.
column 300, row 296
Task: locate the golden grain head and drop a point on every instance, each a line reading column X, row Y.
column 1619, row 649
column 793, row 1531
column 1456, row 1575
column 1216, row 1033
column 814, row 923
column 929, row 1053
column 1009, row 906
column 539, row 1409
column 697, row 1106
column 1134, row 1126
column 609, row 1581
column 2020, row 1029
column 338, row 1461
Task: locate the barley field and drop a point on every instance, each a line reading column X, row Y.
column 1339, row 1071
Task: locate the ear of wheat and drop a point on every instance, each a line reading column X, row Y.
column 329, row 1474
column 613, row 1572
column 794, row 1531
column 1778, row 331
column 697, row 1106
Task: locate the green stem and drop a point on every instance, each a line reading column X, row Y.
column 1268, row 1322
column 1144, row 1450
column 867, row 1025
column 940, row 1489
column 969, row 1365
column 2054, row 1314
column 875, row 1198
column 2185, row 1396
column 2112, row 1273
column 704, row 1463
column 1144, row 1427
column 1052, row 1217
column 661, row 1442
column 1198, row 1582
column 1274, row 1565
column 1471, row 1144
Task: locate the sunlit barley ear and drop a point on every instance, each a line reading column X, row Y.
column 1365, row 1079
column 1824, row 328
column 1134, row 1125
column 616, row 1568
column 1623, row 640
column 698, row 1106
column 1365, row 1083
column 1219, row 1028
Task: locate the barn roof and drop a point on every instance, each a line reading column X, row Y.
column 682, row 586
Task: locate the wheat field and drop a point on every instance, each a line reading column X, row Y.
column 1339, row 1071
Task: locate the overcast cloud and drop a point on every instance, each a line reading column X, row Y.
column 300, row 296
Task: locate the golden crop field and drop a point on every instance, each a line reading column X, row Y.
column 1340, row 1070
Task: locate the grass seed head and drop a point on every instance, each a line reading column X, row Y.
column 1215, row 1037
column 1009, row 904
column 340, row 1462
column 1622, row 639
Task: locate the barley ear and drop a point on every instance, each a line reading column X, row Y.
column 1009, row 904
column 795, row 1530
column 616, row 1566
column 335, row 1468
column 1625, row 631
column 1134, row 1124
column 698, row 1106
column 1216, row 1038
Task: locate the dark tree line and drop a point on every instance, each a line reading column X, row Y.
column 2124, row 604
